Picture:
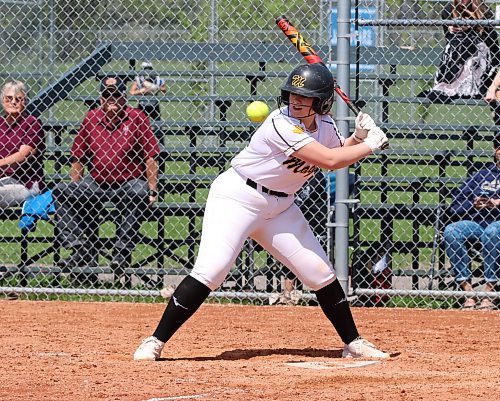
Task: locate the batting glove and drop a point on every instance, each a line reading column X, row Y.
column 376, row 139
column 363, row 124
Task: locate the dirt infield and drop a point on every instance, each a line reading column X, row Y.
column 82, row 352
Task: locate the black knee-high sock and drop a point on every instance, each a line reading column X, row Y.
column 334, row 304
column 185, row 301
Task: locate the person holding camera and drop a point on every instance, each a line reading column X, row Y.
column 470, row 58
column 477, row 205
column 148, row 84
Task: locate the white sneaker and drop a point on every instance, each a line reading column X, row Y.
column 149, row 350
column 361, row 348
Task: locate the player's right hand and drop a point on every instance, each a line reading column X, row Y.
column 363, row 124
column 377, row 139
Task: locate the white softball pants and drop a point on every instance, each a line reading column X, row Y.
column 235, row 212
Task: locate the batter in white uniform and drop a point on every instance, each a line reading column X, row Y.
column 254, row 199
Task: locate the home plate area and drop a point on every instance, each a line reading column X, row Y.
column 331, row 364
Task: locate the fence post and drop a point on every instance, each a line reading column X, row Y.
column 342, row 176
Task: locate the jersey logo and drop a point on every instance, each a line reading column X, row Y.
column 299, row 166
column 298, row 81
column 297, row 129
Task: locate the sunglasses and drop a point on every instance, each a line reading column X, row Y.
column 18, row 99
column 111, row 95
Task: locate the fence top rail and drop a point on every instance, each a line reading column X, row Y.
column 222, row 52
column 394, row 55
column 425, row 22
column 187, row 73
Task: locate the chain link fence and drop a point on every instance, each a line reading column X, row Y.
column 193, row 67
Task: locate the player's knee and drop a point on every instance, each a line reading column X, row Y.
column 209, row 277
column 313, row 271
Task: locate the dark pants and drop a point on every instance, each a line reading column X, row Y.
column 78, row 204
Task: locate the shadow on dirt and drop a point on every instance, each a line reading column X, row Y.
column 239, row 354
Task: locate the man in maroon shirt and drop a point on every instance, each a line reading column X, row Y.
column 21, row 148
column 118, row 147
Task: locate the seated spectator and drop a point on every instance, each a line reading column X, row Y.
column 148, row 83
column 477, row 205
column 21, row 148
column 470, row 56
column 117, row 144
column 493, row 97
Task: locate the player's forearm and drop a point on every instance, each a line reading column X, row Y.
column 76, row 172
column 346, row 156
column 332, row 159
column 351, row 141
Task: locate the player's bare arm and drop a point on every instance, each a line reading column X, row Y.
column 332, row 159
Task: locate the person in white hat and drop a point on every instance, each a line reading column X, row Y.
column 148, row 84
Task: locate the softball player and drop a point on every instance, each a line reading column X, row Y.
column 255, row 198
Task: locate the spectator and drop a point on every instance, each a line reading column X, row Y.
column 470, row 56
column 477, row 205
column 21, row 148
column 118, row 145
column 148, row 83
column 493, row 97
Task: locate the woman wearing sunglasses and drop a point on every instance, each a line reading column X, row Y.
column 21, row 147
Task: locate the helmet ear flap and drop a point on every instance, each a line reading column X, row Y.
column 323, row 106
column 285, row 97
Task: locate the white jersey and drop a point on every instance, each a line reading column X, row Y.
column 268, row 159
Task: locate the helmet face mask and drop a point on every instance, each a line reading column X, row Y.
column 310, row 80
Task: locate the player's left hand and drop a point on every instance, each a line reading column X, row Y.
column 363, row 124
column 377, row 139
column 152, row 200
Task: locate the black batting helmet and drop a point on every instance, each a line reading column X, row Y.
column 311, row 80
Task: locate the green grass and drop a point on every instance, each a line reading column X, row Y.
column 420, row 302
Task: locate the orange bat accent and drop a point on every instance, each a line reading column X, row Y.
column 298, row 41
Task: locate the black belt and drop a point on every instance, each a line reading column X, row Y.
column 253, row 184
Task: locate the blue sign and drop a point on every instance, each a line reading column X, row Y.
column 367, row 34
